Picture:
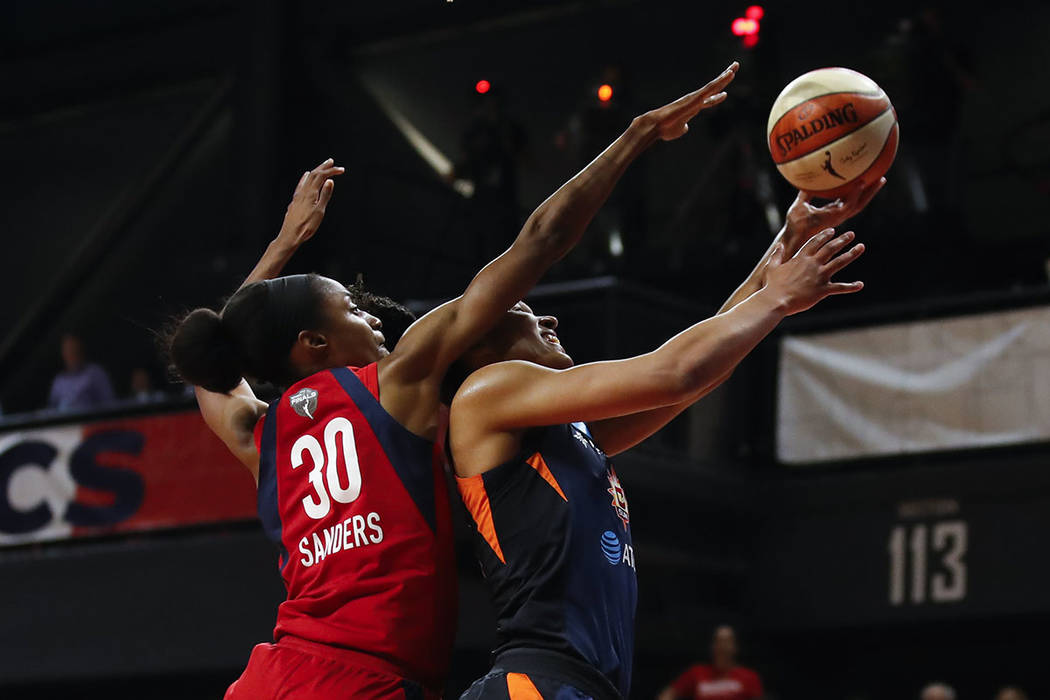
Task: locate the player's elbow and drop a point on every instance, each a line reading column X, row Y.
column 545, row 233
column 675, row 383
column 686, row 379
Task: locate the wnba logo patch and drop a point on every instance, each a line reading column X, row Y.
column 611, row 547
column 304, row 402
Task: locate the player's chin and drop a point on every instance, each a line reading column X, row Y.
column 382, row 351
column 558, row 359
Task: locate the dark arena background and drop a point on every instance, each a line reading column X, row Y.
column 866, row 501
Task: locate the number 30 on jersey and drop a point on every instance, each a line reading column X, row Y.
column 325, row 476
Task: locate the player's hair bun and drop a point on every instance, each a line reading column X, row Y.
column 205, row 353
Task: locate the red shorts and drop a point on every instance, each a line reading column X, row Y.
column 296, row 669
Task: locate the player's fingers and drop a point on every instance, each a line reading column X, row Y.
column 817, row 242
column 724, row 78
column 843, row 260
column 713, row 100
column 843, row 287
column 302, row 181
column 696, row 97
column 317, row 176
column 326, row 173
column 867, row 194
column 777, row 256
column 834, row 246
column 326, row 193
column 833, row 205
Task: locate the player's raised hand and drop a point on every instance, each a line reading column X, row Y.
column 801, row 281
column 307, row 208
column 804, row 220
column 672, row 120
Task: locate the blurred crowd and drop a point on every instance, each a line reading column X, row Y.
column 84, row 385
column 722, row 678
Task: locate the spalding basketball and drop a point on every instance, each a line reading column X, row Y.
column 832, row 130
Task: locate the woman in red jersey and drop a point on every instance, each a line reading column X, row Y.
column 348, row 485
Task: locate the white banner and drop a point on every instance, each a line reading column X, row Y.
column 970, row 381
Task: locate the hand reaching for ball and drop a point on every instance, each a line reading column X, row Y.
column 803, row 279
column 804, row 219
column 672, row 120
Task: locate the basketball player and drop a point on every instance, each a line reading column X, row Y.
column 530, row 436
column 344, row 460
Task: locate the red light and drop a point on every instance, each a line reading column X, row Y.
column 483, row 86
column 743, row 26
column 749, row 41
column 605, row 93
column 755, row 12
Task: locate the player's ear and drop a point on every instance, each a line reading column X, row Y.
column 312, row 339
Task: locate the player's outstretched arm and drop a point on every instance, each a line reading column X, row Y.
column 431, row 345
column 301, row 220
column 510, row 396
column 233, row 416
column 803, row 221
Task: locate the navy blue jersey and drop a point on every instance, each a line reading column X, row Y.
column 553, row 536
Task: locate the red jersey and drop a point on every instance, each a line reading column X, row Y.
column 358, row 508
column 703, row 682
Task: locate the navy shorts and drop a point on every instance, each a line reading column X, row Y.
column 502, row 685
column 541, row 674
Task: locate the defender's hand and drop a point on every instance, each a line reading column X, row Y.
column 307, row 208
column 805, row 220
column 799, row 283
column 672, row 121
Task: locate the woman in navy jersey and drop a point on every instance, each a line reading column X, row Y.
column 530, row 437
column 349, row 488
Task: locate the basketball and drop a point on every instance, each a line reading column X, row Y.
column 832, row 130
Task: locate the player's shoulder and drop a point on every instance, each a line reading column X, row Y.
column 324, row 393
column 414, row 354
column 497, row 377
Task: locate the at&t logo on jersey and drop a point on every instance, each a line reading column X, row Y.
column 615, row 552
column 619, row 499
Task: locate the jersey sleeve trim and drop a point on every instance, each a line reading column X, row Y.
column 521, row 687
column 537, row 462
column 476, row 499
column 267, row 498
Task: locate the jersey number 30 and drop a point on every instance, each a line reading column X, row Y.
column 338, row 440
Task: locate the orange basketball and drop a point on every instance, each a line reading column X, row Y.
column 832, row 130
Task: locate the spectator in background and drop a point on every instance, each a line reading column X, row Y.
column 1011, row 692
column 722, row 679
column 937, row 691
column 82, row 385
column 142, row 389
